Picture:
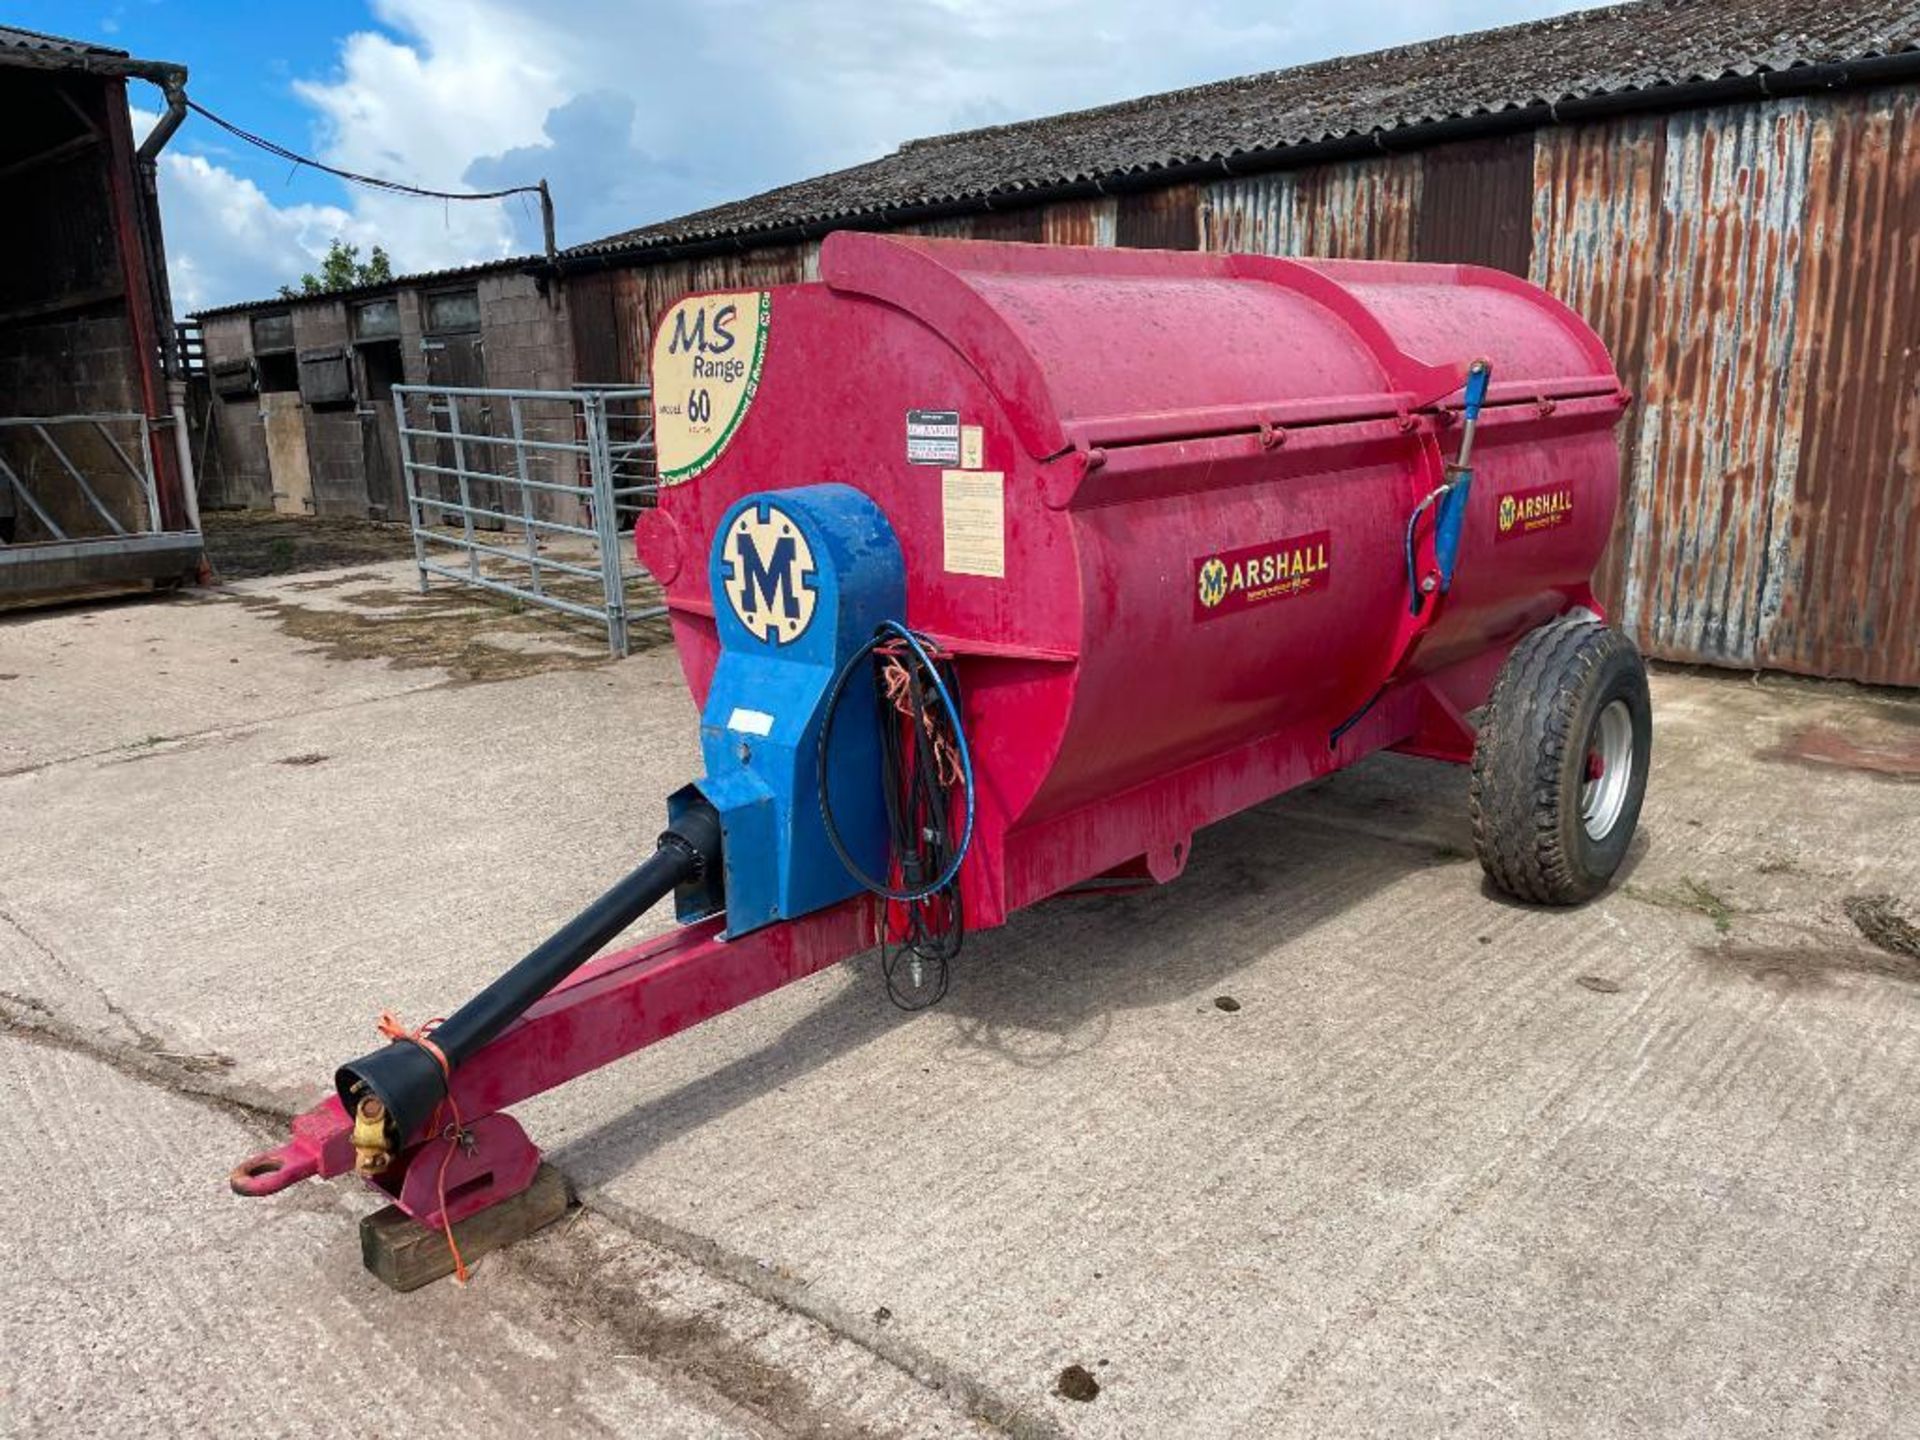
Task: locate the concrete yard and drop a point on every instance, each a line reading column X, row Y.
column 1452, row 1165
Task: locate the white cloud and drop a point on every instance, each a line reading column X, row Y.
column 226, row 240
column 475, row 78
column 640, row 112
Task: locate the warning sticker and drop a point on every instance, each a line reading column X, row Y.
column 707, row 356
column 972, row 446
column 973, row 515
column 1230, row 581
column 1528, row 512
column 933, row 437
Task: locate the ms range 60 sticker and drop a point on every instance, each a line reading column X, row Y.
column 707, row 356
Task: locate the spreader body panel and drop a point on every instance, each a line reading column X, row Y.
column 1156, row 505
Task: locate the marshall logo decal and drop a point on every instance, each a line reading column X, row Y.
column 1528, row 512
column 1230, row 581
column 768, row 574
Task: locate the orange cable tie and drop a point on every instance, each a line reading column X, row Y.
column 392, row 1028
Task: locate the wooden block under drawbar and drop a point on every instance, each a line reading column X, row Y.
column 405, row 1254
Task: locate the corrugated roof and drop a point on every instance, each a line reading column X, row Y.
column 1623, row 49
column 12, row 37
column 413, row 281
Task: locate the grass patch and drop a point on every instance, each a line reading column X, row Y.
column 1690, row 895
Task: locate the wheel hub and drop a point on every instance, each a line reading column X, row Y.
column 1609, row 770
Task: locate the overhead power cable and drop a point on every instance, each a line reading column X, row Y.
column 273, row 147
column 375, row 182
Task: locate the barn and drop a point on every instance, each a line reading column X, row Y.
column 296, row 402
column 1728, row 190
column 96, row 472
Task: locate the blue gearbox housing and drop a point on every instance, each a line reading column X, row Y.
column 801, row 579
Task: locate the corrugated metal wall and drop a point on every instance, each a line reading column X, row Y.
column 1087, row 222
column 614, row 311
column 1477, row 204
column 1848, row 601
column 1362, row 211
column 1595, row 237
column 1159, row 219
column 1755, row 270
column 1721, row 395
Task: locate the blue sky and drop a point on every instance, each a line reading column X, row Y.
column 636, row 110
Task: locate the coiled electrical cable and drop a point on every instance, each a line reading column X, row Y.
column 920, row 767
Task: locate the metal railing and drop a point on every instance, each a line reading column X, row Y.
column 550, row 477
column 55, row 493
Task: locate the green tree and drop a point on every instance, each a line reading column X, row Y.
column 342, row 269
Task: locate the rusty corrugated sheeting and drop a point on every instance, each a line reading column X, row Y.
column 1159, row 219
column 1596, row 192
column 1476, row 204
column 1081, row 222
column 1846, row 600
column 1360, row 211
column 1718, row 438
column 1027, row 224
column 1755, row 270
column 957, row 227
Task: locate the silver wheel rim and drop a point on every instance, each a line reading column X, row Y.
column 1609, row 770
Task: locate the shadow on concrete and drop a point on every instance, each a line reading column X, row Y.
column 1046, row 985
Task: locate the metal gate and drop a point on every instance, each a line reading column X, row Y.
column 80, row 506
column 525, row 493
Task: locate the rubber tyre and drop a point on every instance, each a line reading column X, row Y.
column 1530, row 762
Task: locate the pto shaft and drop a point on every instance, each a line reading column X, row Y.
column 405, row 1082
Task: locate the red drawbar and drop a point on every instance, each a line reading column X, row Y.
column 609, row 1008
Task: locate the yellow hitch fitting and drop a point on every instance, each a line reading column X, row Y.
column 372, row 1137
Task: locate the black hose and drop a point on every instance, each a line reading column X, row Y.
column 408, row 1080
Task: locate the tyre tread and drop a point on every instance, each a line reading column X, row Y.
column 1514, row 797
